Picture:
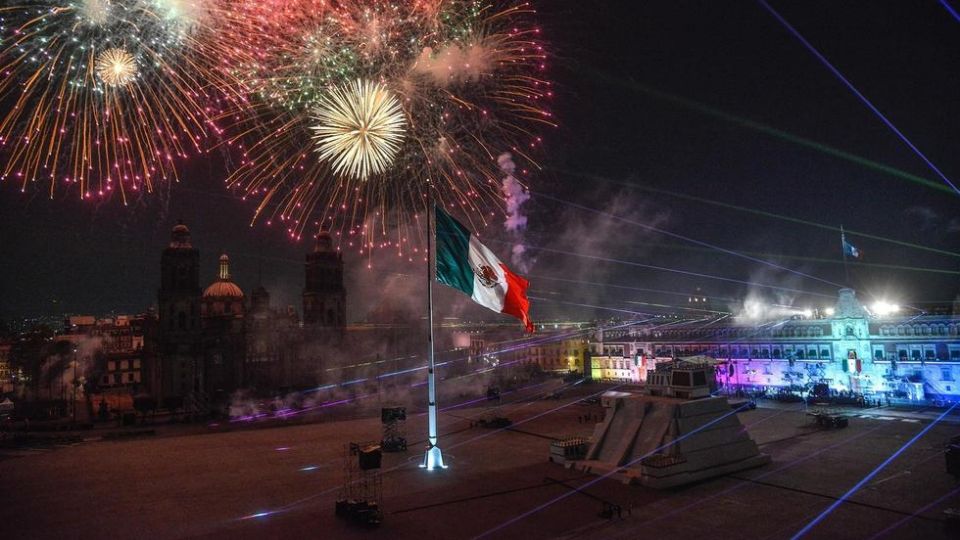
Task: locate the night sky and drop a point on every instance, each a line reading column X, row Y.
column 630, row 141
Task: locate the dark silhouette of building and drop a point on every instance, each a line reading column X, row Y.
column 273, row 344
column 179, row 315
column 213, row 343
column 324, row 296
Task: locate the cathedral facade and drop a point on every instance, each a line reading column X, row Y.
column 215, row 341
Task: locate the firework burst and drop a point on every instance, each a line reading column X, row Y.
column 105, row 95
column 116, row 67
column 448, row 85
column 359, row 129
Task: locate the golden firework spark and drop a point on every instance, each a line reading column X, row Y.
column 359, row 128
column 116, row 67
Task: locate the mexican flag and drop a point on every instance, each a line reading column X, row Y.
column 470, row 267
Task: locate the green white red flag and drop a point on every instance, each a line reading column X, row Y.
column 470, row 267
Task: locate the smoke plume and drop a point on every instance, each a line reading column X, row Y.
column 453, row 64
column 515, row 195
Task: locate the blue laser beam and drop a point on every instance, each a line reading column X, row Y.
column 950, row 9
column 699, row 502
column 294, row 504
column 857, row 93
column 840, row 500
column 559, row 498
column 905, row 519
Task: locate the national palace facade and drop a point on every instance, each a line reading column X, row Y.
column 913, row 357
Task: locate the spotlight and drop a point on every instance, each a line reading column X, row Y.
column 882, row 308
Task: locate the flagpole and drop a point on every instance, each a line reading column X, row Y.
column 433, row 457
column 843, row 249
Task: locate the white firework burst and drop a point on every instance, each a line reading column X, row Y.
column 116, row 67
column 359, row 128
column 184, row 14
column 95, row 12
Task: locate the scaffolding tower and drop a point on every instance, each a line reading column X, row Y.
column 361, row 495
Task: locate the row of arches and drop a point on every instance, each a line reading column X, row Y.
column 936, row 329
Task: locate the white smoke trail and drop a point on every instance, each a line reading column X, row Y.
column 515, row 195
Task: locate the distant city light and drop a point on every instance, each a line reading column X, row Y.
column 808, row 313
column 830, row 312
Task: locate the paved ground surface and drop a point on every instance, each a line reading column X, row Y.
column 211, row 485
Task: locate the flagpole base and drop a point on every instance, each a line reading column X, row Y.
column 433, row 459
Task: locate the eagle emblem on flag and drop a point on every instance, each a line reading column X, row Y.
column 487, row 275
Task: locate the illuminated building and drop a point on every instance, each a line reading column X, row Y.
column 853, row 349
column 563, row 355
column 6, row 370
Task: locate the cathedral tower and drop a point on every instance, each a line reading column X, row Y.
column 179, row 314
column 324, row 296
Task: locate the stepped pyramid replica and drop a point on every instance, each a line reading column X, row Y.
column 666, row 439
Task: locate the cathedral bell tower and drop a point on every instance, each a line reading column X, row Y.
column 179, row 314
column 324, row 296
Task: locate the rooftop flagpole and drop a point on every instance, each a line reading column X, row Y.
column 433, row 457
column 843, row 249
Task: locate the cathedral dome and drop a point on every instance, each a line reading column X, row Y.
column 223, row 287
column 219, row 289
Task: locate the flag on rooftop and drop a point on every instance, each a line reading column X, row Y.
column 849, row 249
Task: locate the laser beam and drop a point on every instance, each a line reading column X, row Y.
column 860, row 96
column 863, row 481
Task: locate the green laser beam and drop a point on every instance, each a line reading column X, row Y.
column 778, row 133
column 626, row 287
column 680, row 247
column 666, row 269
column 729, row 206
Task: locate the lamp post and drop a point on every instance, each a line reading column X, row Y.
column 74, row 386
